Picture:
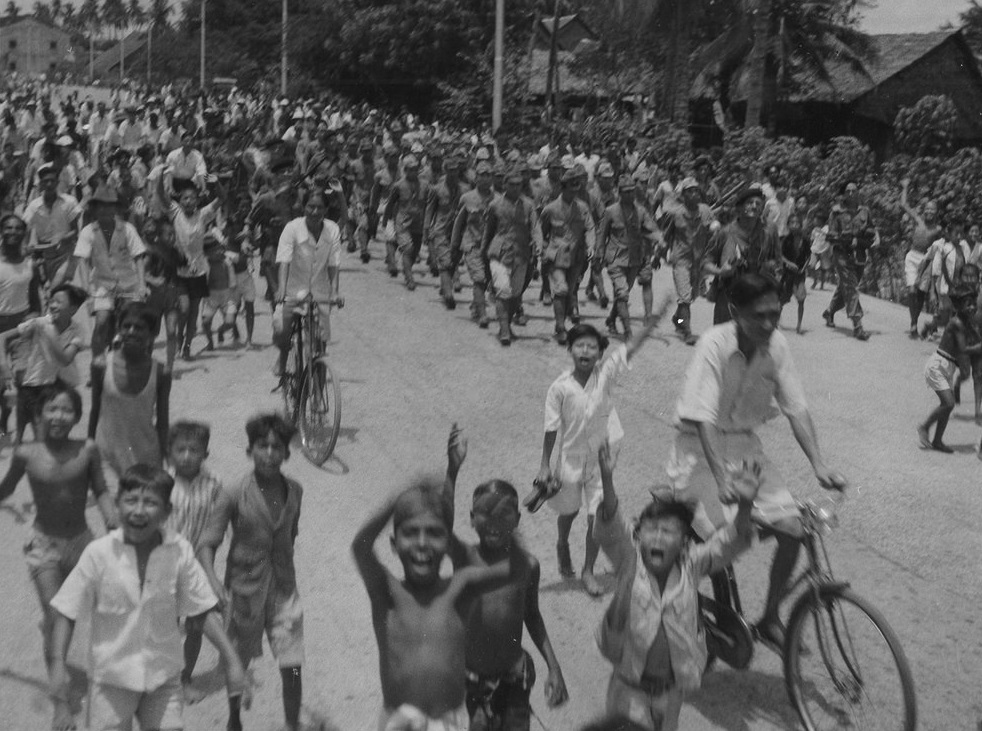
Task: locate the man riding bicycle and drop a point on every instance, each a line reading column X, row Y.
column 309, row 259
column 740, row 375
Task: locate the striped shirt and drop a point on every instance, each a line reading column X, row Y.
column 191, row 505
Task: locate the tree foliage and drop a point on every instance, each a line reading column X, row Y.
column 927, row 128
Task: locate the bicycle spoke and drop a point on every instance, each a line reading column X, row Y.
column 320, row 415
column 847, row 671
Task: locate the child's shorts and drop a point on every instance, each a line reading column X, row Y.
column 407, row 717
column 112, row 708
column 572, row 496
column 939, row 372
column 644, row 708
column 280, row 617
column 245, row 287
column 45, row 553
column 221, row 300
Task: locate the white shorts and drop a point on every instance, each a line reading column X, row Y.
column 912, row 263
column 691, row 479
column 245, row 287
column 939, row 372
column 112, row 708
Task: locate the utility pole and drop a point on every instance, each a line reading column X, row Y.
column 149, row 49
column 553, row 59
column 499, row 64
column 201, row 81
column 283, row 36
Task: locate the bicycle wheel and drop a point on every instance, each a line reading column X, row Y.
column 292, row 378
column 320, row 412
column 844, row 666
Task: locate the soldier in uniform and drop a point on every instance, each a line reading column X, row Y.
column 406, row 206
column 625, row 245
column 468, row 235
column 602, row 194
column 567, row 229
column 691, row 226
column 851, row 235
column 510, row 244
column 438, row 224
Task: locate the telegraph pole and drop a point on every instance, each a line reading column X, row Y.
column 499, row 64
column 283, row 51
column 201, row 81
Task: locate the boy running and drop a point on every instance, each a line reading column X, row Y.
column 580, row 416
column 60, row 472
column 194, row 495
column 260, row 578
column 500, row 674
column 420, row 622
column 136, row 583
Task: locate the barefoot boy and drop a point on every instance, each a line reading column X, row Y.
column 580, row 416
column 260, row 579
column 420, row 622
column 60, row 472
column 136, row 582
column 195, row 492
column 500, row 674
column 651, row 632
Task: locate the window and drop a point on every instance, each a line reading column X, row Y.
column 52, row 67
column 13, row 66
column 13, row 43
column 54, row 45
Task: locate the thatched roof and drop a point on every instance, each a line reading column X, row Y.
column 894, row 53
column 573, row 83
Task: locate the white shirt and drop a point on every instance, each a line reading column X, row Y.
column 309, row 260
column 724, row 389
column 48, row 226
column 187, row 167
column 135, row 641
column 189, row 233
column 945, row 255
column 585, row 416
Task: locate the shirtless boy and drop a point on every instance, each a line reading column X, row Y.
column 500, row 674
column 60, row 472
column 420, row 621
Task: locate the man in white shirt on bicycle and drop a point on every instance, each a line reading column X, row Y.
column 309, row 260
column 739, row 378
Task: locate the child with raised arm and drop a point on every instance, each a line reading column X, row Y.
column 60, row 471
column 194, row 495
column 260, row 588
column 579, row 417
column 500, row 674
column 136, row 583
column 651, row 632
column 420, row 622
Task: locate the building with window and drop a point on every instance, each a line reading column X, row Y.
column 31, row 47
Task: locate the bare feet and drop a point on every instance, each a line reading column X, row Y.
column 942, row 447
column 591, row 584
column 565, row 561
column 923, row 437
column 192, row 694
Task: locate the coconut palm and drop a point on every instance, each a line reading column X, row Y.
column 11, row 12
column 771, row 39
column 90, row 18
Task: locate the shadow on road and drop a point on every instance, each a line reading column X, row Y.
column 734, row 699
column 78, row 685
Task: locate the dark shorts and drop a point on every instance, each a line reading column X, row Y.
column 194, row 287
column 501, row 704
column 163, row 298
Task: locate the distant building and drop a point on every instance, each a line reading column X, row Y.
column 31, row 47
column 572, row 30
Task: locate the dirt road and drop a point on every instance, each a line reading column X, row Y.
column 909, row 539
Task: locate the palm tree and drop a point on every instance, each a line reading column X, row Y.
column 68, row 19
column 157, row 15
column 89, row 17
column 115, row 15
column 56, row 11
column 11, row 13
column 772, row 38
column 41, row 11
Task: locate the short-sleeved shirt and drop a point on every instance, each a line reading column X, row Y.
column 135, row 641
column 191, row 505
column 309, row 260
column 189, row 232
column 41, row 368
column 584, row 416
column 723, row 388
column 50, row 225
column 114, row 262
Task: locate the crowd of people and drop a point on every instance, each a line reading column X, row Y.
column 160, row 212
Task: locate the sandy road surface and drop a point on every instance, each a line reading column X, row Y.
column 909, row 541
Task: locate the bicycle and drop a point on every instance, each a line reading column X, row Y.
column 842, row 661
column 311, row 390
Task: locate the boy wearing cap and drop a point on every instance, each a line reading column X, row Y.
column 406, row 206
column 567, row 229
column 692, row 224
column 511, row 240
column 624, row 245
column 467, row 239
column 111, row 254
column 438, row 224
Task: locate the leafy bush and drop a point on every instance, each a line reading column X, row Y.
column 927, row 128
